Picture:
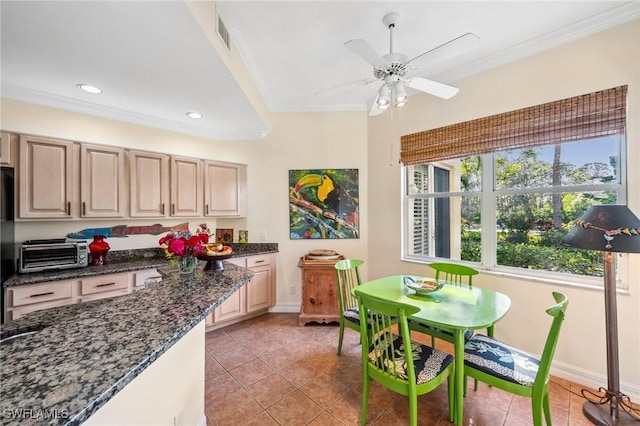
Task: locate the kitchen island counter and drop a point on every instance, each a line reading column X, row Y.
column 84, row 354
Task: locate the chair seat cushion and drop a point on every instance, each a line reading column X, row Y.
column 500, row 360
column 428, row 362
column 426, row 328
column 352, row 314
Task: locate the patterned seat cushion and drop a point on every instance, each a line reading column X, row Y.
column 500, row 360
column 428, row 362
column 353, row 315
column 467, row 334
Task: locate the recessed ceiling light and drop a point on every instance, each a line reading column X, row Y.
column 194, row 115
column 89, row 88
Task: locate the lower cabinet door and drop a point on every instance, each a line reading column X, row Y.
column 231, row 308
column 259, row 289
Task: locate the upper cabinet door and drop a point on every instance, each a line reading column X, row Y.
column 7, row 149
column 225, row 189
column 149, row 189
column 102, row 185
column 186, row 187
column 46, row 177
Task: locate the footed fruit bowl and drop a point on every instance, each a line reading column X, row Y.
column 214, row 255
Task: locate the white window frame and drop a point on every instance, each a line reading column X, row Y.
column 489, row 194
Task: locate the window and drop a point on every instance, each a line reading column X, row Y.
column 508, row 205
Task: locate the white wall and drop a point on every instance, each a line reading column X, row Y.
column 605, row 60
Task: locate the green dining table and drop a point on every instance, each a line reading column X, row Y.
column 453, row 307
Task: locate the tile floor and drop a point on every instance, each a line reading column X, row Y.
column 269, row 371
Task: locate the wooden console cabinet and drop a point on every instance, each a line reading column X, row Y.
column 319, row 291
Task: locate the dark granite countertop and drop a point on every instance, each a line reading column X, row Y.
column 127, row 261
column 83, row 354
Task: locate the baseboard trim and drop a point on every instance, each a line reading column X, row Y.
column 286, row 308
column 591, row 379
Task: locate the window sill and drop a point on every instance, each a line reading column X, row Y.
column 586, row 283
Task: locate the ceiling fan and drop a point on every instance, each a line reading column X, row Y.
column 393, row 68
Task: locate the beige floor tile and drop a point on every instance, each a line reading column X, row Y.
column 235, row 358
column 295, row 409
column 324, row 390
column 270, row 390
column 251, row 372
column 299, row 372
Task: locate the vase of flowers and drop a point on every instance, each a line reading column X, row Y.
column 183, row 248
column 187, row 264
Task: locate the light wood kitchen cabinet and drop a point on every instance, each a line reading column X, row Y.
column 29, row 298
column 102, row 181
column 186, row 187
column 8, row 148
column 46, row 189
column 225, row 187
column 319, row 291
column 260, row 288
column 23, row 299
column 149, row 184
column 232, row 308
column 252, row 299
column 104, row 286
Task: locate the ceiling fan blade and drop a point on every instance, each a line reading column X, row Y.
column 448, row 50
column 344, row 86
column 373, row 109
column 432, row 87
column 366, row 52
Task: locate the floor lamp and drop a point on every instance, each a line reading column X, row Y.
column 608, row 228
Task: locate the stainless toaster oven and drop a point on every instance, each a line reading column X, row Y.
column 42, row 255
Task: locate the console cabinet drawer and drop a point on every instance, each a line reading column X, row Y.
column 41, row 293
column 104, row 283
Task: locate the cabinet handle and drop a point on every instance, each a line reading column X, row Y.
column 105, row 284
column 173, row 209
column 69, row 207
column 206, row 209
column 162, row 208
column 312, row 300
column 43, row 294
column 84, row 208
column 259, row 261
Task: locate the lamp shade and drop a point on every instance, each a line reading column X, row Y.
column 607, row 227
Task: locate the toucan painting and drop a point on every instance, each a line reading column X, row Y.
column 323, row 204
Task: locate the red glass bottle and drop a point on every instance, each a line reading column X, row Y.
column 99, row 248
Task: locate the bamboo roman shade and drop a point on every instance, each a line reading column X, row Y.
column 581, row 117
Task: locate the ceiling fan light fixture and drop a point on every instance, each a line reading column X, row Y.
column 399, row 94
column 384, row 101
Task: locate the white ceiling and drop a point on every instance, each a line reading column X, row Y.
column 154, row 62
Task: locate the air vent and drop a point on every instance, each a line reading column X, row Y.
column 223, row 33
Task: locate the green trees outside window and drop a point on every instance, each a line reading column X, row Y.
column 528, row 197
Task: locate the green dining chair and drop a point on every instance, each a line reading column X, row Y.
column 348, row 274
column 459, row 275
column 505, row 367
column 390, row 357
